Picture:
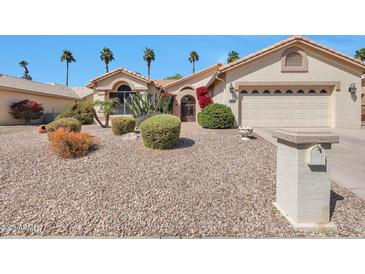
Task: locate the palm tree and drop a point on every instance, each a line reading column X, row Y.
column 26, row 74
column 106, row 55
column 107, row 107
column 193, row 57
column 232, row 56
column 360, row 54
column 149, row 56
column 68, row 57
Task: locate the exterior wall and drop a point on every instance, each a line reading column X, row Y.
column 50, row 104
column 345, row 109
column 188, row 87
column 114, row 81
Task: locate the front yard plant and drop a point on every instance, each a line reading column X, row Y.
column 216, row 116
column 70, row 124
column 161, row 131
column 26, row 110
column 123, row 125
column 69, row 144
column 82, row 111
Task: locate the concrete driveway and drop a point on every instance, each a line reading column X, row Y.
column 347, row 164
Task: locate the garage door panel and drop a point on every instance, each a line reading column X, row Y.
column 285, row 110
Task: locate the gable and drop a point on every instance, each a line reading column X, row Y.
column 113, row 81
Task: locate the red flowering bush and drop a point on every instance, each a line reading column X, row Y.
column 203, row 97
column 27, row 110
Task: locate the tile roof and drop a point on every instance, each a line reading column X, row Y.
column 162, row 83
column 191, row 76
column 82, row 92
column 116, row 71
column 285, row 42
column 7, row 81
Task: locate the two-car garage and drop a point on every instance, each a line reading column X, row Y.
column 285, row 107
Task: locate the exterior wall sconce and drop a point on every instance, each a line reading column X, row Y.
column 353, row 88
column 231, row 88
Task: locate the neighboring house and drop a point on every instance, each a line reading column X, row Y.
column 294, row 83
column 53, row 97
column 363, row 99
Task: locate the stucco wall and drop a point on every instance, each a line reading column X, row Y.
column 345, row 109
column 50, row 105
column 114, row 81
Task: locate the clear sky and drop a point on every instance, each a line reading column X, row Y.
column 43, row 53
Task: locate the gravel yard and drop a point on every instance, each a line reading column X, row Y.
column 212, row 185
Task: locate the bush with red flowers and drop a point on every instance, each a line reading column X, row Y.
column 203, row 97
column 27, row 110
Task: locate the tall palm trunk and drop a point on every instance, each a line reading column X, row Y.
column 193, row 67
column 66, row 73
column 149, row 70
column 107, row 67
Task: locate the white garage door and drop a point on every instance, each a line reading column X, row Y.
column 289, row 108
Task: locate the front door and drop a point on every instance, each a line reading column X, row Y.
column 188, row 109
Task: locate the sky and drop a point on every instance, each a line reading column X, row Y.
column 171, row 53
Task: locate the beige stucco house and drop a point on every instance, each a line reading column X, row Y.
column 53, row 97
column 294, row 83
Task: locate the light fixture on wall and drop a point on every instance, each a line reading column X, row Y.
column 231, row 88
column 353, row 88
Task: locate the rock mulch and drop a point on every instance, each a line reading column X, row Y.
column 212, row 185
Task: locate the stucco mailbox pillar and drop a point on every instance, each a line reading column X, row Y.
column 303, row 183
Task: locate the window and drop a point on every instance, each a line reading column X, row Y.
column 294, row 60
column 312, row 91
column 277, row 91
column 289, row 91
column 323, row 91
column 300, row 91
column 123, row 94
column 243, row 92
column 255, row 91
column 266, row 91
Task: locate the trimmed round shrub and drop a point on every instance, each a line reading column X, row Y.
column 161, row 131
column 68, row 144
column 123, row 125
column 70, row 124
column 81, row 111
column 216, row 116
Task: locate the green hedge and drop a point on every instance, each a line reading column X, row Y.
column 81, row 111
column 216, row 116
column 161, row 131
column 68, row 123
column 123, row 125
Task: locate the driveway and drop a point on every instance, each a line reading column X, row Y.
column 347, row 165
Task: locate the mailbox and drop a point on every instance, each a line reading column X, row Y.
column 316, row 156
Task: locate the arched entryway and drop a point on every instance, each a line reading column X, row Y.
column 188, row 110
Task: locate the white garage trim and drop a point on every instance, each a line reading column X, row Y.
column 278, row 107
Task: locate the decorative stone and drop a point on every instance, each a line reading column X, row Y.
column 303, row 183
column 245, row 132
column 131, row 136
column 42, row 129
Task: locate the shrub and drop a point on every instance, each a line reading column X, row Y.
column 27, row 110
column 161, row 131
column 68, row 144
column 81, row 111
column 203, row 97
column 123, row 125
column 67, row 123
column 216, row 116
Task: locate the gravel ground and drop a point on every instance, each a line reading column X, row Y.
column 212, row 185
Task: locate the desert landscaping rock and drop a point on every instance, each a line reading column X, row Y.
column 211, row 185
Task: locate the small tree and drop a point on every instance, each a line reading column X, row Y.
column 203, row 97
column 27, row 110
column 107, row 107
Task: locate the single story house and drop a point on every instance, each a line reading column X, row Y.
column 53, row 97
column 294, row 83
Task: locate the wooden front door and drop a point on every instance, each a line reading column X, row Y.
column 188, row 109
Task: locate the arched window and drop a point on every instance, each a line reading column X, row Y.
column 294, row 59
column 323, row 91
column 277, row 91
column 266, row 91
column 243, row 92
column 289, row 91
column 300, row 91
column 255, row 92
column 123, row 95
column 312, row 91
